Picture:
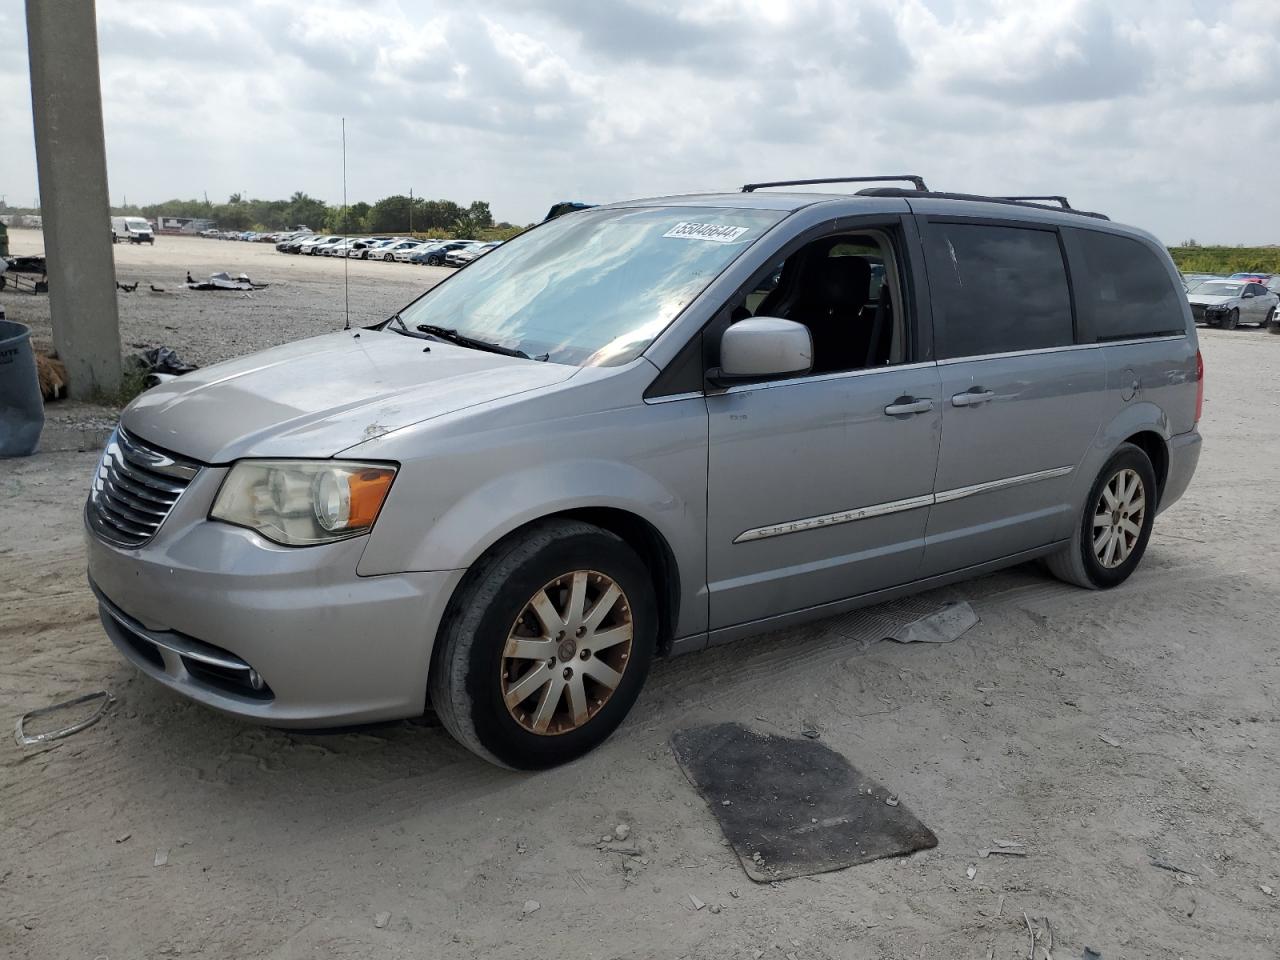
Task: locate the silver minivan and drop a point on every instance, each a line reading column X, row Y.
column 640, row 430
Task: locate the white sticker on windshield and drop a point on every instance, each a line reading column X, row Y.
column 716, row 232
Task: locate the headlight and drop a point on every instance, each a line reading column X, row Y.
column 303, row 502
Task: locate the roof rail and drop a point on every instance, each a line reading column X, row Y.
column 908, row 178
column 1052, row 198
column 975, row 198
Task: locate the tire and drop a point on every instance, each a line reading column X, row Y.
column 387, row 258
column 1269, row 322
column 493, row 609
column 1078, row 562
column 1232, row 320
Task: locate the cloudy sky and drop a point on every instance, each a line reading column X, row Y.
column 1165, row 114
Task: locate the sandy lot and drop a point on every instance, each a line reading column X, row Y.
column 304, row 297
column 286, row 845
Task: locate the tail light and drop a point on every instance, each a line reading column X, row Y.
column 1199, row 385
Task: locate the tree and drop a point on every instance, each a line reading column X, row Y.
column 306, row 211
column 350, row 219
column 480, row 216
column 390, row 215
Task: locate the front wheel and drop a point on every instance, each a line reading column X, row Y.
column 1232, row 320
column 546, row 646
column 1112, row 534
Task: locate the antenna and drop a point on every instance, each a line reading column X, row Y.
column 346, row 289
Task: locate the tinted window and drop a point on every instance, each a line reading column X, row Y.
column 997, row 289
column 1124, row 290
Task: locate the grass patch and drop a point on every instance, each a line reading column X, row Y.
column 131, row 384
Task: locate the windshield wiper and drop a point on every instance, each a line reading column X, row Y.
column 404, row 328
column 453, row 336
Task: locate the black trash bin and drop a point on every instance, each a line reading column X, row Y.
column 21, row 406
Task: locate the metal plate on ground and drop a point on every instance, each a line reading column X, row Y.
column 793, row 807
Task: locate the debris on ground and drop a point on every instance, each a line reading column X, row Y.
column 796, row 803
column 25, row 739
column 972, row 871
column 159, row 365
column 530, row 906
column 1041, row 934
column 1267, row 890
column 223, row 281
column 948, row 624
column 381, row 920
column 161, row 858
column 127, row 287
column 1002, row 851
column 1110, row 741
column 123, row 837
column 622, row 831
column 891, row 801
column 715, row 908
column 1172, row 867
column 697, row 904
column 1091, row 954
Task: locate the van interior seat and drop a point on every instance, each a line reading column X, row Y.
column 827, row 294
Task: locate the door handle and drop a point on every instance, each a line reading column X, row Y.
column 908, row 406
column 971, row 398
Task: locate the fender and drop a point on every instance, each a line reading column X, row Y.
column 1132, row 418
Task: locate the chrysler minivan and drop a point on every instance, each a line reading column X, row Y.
column 640, row 430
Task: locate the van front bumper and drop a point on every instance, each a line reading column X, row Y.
column 287, row 637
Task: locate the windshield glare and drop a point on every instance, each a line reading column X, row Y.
column 592, row 288
column 1216, row 288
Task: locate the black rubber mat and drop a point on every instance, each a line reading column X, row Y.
column 791, row 808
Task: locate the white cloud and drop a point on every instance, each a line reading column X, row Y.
column 1166, row 119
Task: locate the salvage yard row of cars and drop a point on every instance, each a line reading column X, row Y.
column 434, row 253
column 1227, row 302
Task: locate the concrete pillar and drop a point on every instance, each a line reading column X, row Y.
column 71, row 159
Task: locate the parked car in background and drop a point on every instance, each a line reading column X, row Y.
column 433, row 254
column 641, row 430
column 363, row 246
column 131, row 230
column 313, row 245
column 464, row 255
column 1226, row 303
column 388, row 251
column 403, row 253
column 339, row 249
column 1189, row 280
column 1251, row 277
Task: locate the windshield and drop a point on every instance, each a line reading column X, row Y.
column 592, row 288
column 134, row 223
column 1218, row 288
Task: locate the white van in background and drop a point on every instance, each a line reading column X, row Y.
column 131, row 230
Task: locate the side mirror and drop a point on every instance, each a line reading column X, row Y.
column 760, row 348
column 1248, row 294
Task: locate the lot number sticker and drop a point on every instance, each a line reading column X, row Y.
column 716, row 232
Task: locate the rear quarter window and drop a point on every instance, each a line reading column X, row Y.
column 997, row 289
column 1124, row 291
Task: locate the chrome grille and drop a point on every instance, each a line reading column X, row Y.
column 134, row 489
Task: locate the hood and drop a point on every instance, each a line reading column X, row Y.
column 1210, row 301
column 317, row 397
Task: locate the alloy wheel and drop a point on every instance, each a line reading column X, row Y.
column 566, row 652
column 1118, row 517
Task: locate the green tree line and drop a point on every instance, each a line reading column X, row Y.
column 394, row 214
column 1193, row 258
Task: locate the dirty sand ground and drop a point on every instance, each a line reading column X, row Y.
column 286, row 845
column 304, row 296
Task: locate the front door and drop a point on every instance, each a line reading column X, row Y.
column 815, row 492
column 819, row 486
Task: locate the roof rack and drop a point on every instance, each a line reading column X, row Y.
column 1052, row 198
column 975, row 198
column 908, row 178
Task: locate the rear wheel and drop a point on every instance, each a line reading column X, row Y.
column 546, row 647
column 387, row 257
column 1271, row 319
column 1112, row 534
